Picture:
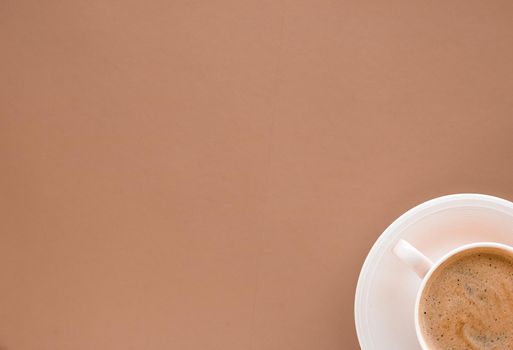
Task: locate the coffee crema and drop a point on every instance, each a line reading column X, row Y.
column 468, row 302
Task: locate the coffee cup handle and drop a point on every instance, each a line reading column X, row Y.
column 412, row 257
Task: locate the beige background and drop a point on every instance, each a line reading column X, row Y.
column 211, row 174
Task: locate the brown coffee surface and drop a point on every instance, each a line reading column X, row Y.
column 468, row 302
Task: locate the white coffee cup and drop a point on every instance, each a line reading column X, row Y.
column 424, row 268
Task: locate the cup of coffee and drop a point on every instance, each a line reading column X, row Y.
column 465, row 300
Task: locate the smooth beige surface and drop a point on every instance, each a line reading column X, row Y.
column 211, row 174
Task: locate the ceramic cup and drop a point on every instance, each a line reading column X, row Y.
column 424, row 268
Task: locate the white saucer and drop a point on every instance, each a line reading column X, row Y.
column 385, row 295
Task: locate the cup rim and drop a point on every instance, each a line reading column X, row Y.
column 436, row 265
